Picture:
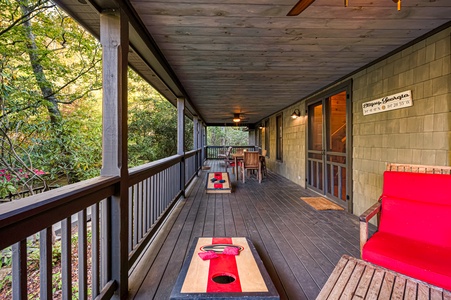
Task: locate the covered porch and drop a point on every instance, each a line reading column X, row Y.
column 299, row 245
column 128, row 230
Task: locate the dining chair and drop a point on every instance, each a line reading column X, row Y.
column 250, row 162
column 263, row 162
column 226, row 153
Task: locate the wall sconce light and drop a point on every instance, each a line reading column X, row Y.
column 236, row 118
column 260, row 126
column 296, row 114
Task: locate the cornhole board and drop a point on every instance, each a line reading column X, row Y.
column 226, row 277
column 216, row 186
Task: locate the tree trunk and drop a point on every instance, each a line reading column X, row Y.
column 38, row 70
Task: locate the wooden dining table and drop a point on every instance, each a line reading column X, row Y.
column 238, row 157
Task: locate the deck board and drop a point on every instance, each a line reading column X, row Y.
column 298, row 245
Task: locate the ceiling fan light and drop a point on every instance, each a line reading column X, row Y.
column 236, row 118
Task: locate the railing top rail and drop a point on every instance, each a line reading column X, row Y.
column 192, row 153
column 226, row 146
column 20, row 219
column 142, row 172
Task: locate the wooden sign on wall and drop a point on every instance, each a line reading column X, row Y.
column 396, row 101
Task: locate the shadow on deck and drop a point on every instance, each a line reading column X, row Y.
column 298, row 245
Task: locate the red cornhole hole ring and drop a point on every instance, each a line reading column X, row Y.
column 218, row 176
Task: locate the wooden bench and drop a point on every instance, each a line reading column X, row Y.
column 353, row 278
column 414, row 232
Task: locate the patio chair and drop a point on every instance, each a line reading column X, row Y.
column 263, row 162
column 225, row 154
column 251, row 161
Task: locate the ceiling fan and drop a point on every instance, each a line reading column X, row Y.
column 300, row 7
column 303, row 4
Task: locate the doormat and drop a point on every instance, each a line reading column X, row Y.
column 321, row 203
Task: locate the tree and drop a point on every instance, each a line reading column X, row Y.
column 227, row 136
column 47, row 72
column 152, row 124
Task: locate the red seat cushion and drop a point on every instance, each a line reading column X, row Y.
column 419, row 260
column 420, row 221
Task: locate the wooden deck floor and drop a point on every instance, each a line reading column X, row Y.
column 298, row 245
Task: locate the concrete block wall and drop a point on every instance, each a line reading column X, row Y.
column 415, row 135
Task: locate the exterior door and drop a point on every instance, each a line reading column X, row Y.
column 327, row 155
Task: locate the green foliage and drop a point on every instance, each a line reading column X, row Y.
column 152, row 124
column 152, row 129
column 6, row 187
column 62, row 78
column 227, row 136
column 50, row 107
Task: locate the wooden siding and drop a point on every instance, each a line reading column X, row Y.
column 299, row 246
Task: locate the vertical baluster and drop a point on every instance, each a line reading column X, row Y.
column 95, row 248
column 318, row 165
column 144, row 209
column 166, row 189
column 149, row 203
column 173, row 176
column 135, row 215
column 19, row 270
column 82, row 256
column 66, row 257
column 340, row 188
column 130, row 219
column 45, row 263
column 331, row 178
column 105, row 251
column 163, row 192
column 153, row 197
column 140, row 210
column 158, row 195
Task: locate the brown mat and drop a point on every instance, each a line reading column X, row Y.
column 321, row 203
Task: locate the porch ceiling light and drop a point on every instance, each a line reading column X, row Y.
column 236, row 118
column 296, row 114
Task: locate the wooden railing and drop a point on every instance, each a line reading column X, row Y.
column 212, row 152
column 84, row 219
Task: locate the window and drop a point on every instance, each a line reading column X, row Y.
column 279, row 137
column 267, row 137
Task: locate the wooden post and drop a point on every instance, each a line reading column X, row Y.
column 115, row 45
column 204, row 140
column 196, row 142
column 181, row 140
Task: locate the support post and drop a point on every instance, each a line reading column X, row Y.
column 115, row 45
column 204, row 141
column 181, row 140
column 196, row 142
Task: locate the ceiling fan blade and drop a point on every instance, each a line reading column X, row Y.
column 299, row 7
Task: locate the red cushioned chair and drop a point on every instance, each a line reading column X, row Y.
column 414, row 233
